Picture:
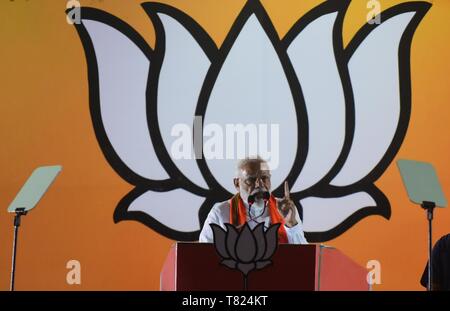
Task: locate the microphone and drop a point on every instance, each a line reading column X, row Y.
column 251, row 200
column 263, row 193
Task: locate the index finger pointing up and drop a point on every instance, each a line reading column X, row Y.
column 286, row 190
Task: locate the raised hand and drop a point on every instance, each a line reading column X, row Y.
column 287, row 207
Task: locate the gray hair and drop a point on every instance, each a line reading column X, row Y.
column 249, row 160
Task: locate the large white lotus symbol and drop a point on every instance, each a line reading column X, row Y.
column 343, row 113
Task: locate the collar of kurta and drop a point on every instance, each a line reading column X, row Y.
column 238, row 215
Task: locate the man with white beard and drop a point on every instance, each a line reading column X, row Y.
column 253, row 204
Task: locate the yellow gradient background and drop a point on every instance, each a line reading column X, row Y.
column 45, row 119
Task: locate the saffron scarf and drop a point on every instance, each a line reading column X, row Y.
column 238, row 215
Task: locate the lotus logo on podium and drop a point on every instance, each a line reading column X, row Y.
column 246, row 250
column 342, row 112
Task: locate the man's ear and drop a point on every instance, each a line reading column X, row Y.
column 236, row 183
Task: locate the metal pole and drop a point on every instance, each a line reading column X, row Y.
column 429, row 206
column 14, row 251
column 19, row 213
column 430, row 251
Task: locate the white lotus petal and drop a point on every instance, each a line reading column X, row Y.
column 252, row 88
column 375, row 80
column 176, row 209
column 312, row 55
column 182, row 74
column 323, row 214
column 123, row 72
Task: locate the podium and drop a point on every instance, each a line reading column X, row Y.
column 197, row 267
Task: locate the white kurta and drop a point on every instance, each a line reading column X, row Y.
column 220, row 215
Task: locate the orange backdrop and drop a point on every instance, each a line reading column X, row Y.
column 45, row 119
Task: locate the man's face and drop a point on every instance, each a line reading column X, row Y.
column 253, row 178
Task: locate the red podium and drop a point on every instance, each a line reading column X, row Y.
column 196, row 266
